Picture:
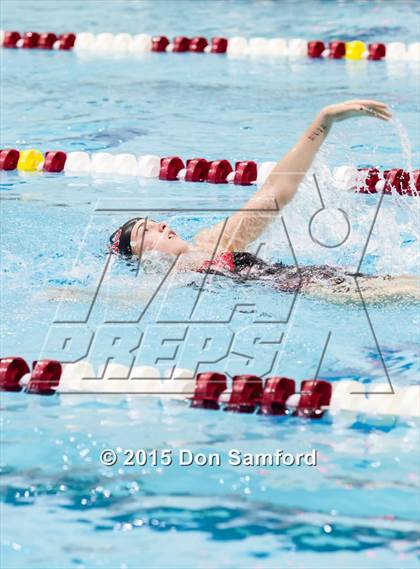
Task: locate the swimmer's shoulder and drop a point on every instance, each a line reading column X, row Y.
column 217, row 238
column 207, row 241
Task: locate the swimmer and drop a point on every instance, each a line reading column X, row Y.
column 221, row 248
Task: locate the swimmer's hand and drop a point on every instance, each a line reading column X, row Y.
column 355, row 108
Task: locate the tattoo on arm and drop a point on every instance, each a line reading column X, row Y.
column 322, row 129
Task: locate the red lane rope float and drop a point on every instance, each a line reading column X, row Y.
column 45, row 377
column 276, row 392
column 9, row 159
column 171, row 168
column 15, row 375
column 235, row 46
column 55, row 161
column 159, row 43
column 11, row 372
column 219, row 171
column 208, row 389
column 197, row 170
column 246, row 394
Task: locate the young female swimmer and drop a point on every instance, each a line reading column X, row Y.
column 221, row 248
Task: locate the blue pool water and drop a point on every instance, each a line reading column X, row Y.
column 60, row 508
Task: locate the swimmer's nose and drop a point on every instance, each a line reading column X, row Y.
column 164, row 228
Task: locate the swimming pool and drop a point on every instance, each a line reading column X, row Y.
column 359, row 507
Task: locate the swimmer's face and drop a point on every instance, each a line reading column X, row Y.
column 148, row 235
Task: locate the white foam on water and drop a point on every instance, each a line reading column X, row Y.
column 405, row 144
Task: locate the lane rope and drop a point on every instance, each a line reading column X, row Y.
column 243, row 173
column 209, row 390
column 238, row 46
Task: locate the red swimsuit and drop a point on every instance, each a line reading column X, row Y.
column 222, row 262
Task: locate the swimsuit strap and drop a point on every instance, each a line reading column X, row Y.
column 222, row 262
column 236, row 262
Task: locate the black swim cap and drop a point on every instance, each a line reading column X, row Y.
column 120, row 240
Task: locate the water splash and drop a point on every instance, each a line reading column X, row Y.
column 392, row 247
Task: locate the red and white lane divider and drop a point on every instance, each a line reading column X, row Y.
column 243, row 173
column 236, row 46
column 247, row 394
column 373, row 181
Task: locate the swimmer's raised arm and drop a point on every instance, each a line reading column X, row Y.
column 282, row 184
